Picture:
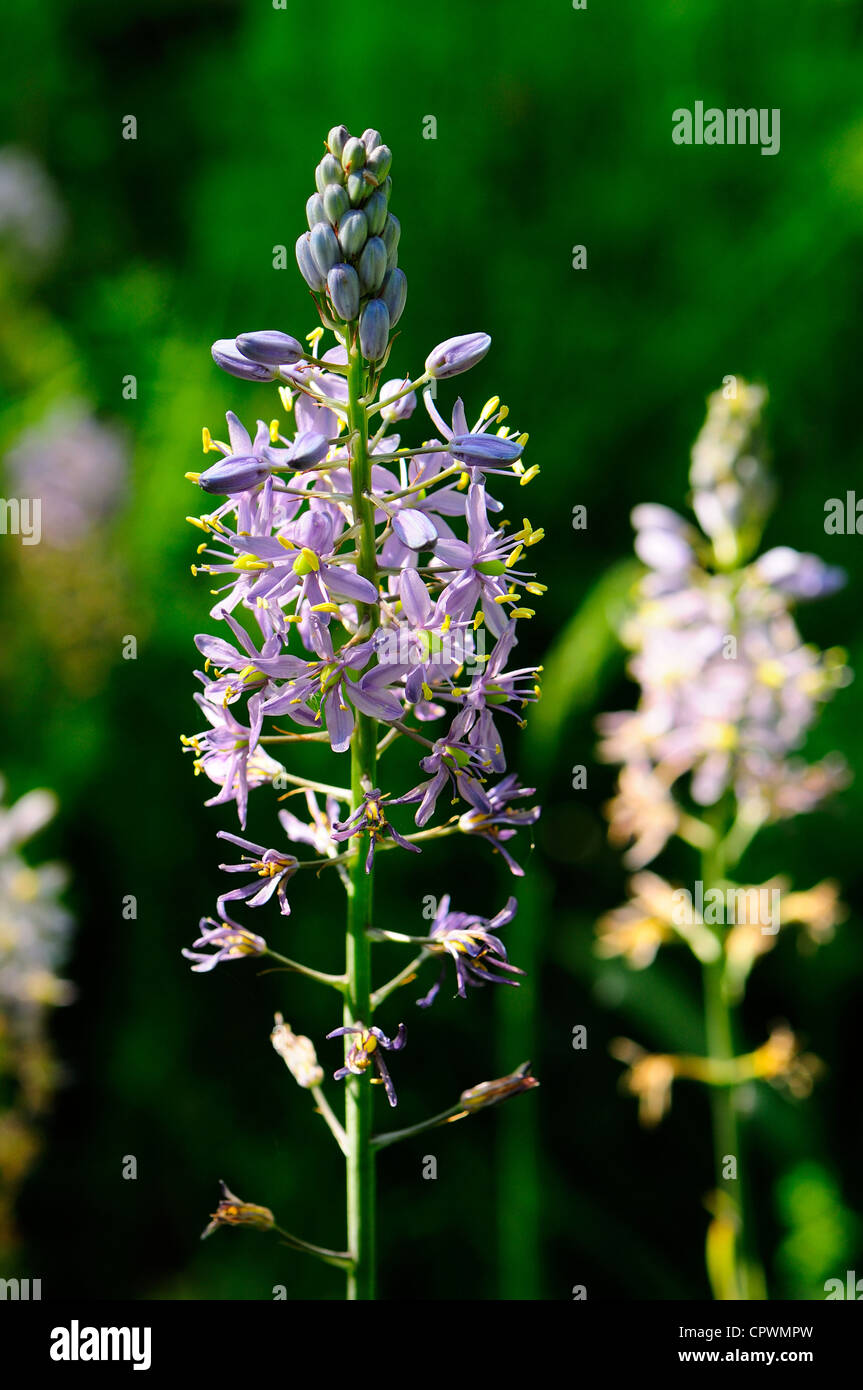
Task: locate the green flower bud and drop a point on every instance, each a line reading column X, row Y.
column 391, row 233
column 379, row 161
column 353, row 230
column 371, row 139
column 337, row 139
column 373, row 265
column 358, row 189
column 324, row 247
column 387, row 187
column 353, row 156
column 334, row 204
column 315, row 210
column 332, row 169
column 376, row 213
column 344, row 288
column 374, row 330
column 394, row 292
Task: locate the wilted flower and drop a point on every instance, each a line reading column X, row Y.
column 298, row 1054
column 233, row 1211
column 489, row 1093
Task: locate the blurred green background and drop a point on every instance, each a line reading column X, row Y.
column 553, row 130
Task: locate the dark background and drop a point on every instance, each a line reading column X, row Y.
column 553, row 129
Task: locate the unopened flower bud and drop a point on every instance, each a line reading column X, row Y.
column 386, row 188
column 374, row 330
column 358, row 189
column 331, row 170
column 337, row 139
column 231, row 475
column 270, row 348
column 226, row 355
column 305, row 260
column 394, row 292
column 457, row 355
column 325, row 247
column 373, row 265
column 353, row 156
column 335, row 203
column 400, row 409
column 308, row 448
column 315, row 209
column 477, row 449
column 298, row 1054
column 353, row 230
column 371, row 139
column 391, row 233
column 343, row 285
column 379, row 161
column 376, row 213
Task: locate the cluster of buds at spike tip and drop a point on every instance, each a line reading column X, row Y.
column 349, row 255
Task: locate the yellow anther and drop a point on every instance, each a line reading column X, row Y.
column 289, row 545
column 191, row 477
column 523, row 613
column 529, row 474
column 478, row 620
column 206, row 439
column 505, row 598
column 194, row 569
column 274, row 431
column 250, row 562
column 463, row 481
column 201, row 548
column 315, row 336
column 286, row 397
column 197, row 521
column 503, row 412
column 427, row 691
column 503, row 432
column 325, row 608
column 515, row 556
column 309, row 556
column 522, row 439
column 490, row 407
column 537, row 589
column 445, row 625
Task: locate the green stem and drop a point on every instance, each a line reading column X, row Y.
column 359, row 1095
column 720, row 1030
column 455, row 1112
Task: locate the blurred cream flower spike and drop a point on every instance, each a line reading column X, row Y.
column 34, row 936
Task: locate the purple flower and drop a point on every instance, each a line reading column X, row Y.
column 484, row 563
column 226, row 754
column 327, row 683
column 273, row 867
column 367, row 1049
column 498, row 821
column 478, row 451
column 229, row 940
column 371, row 816
column 494, row 690
column 471, row 942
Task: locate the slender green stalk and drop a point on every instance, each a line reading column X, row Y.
column 359, row 1096
column 720, row 1030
